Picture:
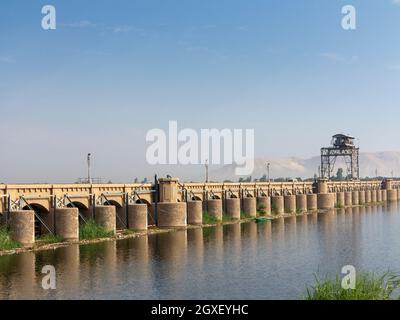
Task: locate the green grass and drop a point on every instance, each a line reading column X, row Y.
column 226, row 218
column 244, row 215
column 5, row 241
column 209, row 219
column 91, row 230
column 261, row 209
column 128, row 232
column 369, row 286
column 50, row 238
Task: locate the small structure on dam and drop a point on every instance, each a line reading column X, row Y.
column 341, row 146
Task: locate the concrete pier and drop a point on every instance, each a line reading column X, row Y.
column 367, row 196
column 325, row 201
column 301, row 203
column 214, row 208
column 264, row 205
column 355, row 197
column 384, row 195
column 172, row 214
column 105, row 216
column 290, row 204
column 340, row 201
column 277, row 204
column 22, row 227
column 322, row 185
column 348, row 198
column 137, row 216
column 391, row 195
column 312, row 204
column 67, row 223
column 361, row 197
column 195, row 212
column 378, row 195
column 232, row 208
column 250, row 206
column 373, row 196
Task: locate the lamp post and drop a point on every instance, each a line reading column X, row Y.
column 88, row 168
column 206, row 167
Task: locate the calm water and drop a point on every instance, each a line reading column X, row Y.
column 273, row 260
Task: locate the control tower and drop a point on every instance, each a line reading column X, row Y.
column 341, row 146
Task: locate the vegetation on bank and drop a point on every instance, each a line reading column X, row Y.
column 338, row 206
column 50, row 238
column 368, row 286
column 91, row 230
column 5, row 241
column 244, row 215
column 261, row 209
column 209, row 219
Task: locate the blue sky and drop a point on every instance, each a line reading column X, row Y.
column 112, row 70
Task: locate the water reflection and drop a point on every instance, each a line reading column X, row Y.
column 274, row 259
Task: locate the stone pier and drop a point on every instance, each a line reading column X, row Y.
column 249, row 206
column 67, row 223
column 348, row 198
column 214, row 208
column 264, row 205
column 195, row 212
column 290, row 204
column 340, row 200
column 22, row 227
column 312, row 204
column 301, row 203
column 137, row 216
column 171, row 213
column 277, row 204
column 325, row 200
column 105, row 216
column 232, row 208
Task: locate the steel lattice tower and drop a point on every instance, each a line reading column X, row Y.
column 341, row 146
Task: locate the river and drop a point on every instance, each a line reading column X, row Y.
column 271, row 260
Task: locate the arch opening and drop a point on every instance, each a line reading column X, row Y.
column 44, row 215
column 83, row 211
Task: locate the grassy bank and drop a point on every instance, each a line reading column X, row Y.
column 244, row 215
column 5, row 241
column 369, row 286
column 50, row 238
column 91, row 230
column 209, row 219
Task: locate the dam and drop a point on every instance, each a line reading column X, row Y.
column 60, row 209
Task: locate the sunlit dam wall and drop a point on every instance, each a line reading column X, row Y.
column 32, row 210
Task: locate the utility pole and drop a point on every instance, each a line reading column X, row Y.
column 268, row 164
column 88, row 168
column 206, row 167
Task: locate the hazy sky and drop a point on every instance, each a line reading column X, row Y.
column 112, row 70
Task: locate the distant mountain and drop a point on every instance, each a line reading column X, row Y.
column 293, row 167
